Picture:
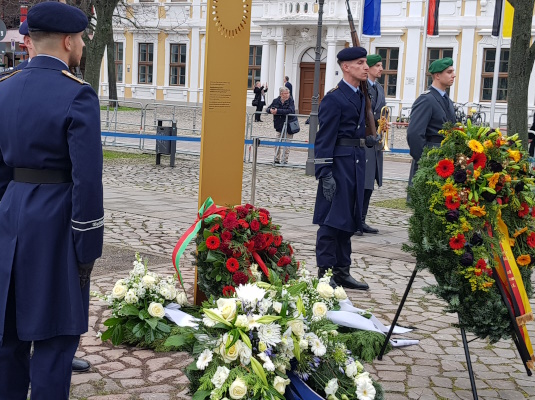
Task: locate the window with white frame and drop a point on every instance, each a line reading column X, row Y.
column 177, row 65
column 145, row 63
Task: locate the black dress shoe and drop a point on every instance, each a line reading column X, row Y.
column 368, row 229
column 343, row 278
column 80, row 365
column 358, row 233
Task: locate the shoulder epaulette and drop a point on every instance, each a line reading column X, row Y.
column 426, row 92
column 333, row 89
column 9, row 76
column 80, row 81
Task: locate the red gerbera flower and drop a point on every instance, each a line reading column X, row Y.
column 228, row 291
column 457, row 242
column 263, row 210
column 255, row 225
column 212, row 242
column 277, row 240
column 233, row 265
column 226, row 236
column 524, row 210
column 214, row 228
column 269, row 239
column 479, row 160
column 284, row 260
column 243, row 223
column 264, row 220
column 481, row 264
column 531, row 240
column 453, row 202
column 240, row 278
column 445, row 168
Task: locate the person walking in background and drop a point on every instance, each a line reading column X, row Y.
column 339, row 159
column 51, row 212
column 432, row 109
column 279, row 108
column 374, row 155
column 288, row 85
column 259, row 99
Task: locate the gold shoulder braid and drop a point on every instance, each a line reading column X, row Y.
column 10, row 75
column 333, row 89
column 80, row 81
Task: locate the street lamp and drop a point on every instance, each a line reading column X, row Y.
column 313, row 127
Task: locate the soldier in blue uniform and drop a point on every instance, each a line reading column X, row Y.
column 51, row 213
column 23, row 30
column 340, row 167
column 432, row 109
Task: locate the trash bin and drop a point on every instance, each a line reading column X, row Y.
column 166, row 147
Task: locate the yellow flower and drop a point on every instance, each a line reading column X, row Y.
column 477, row 172
column 488, row 284
column 465, row 226
column 507, row 178
column 449, row 190
column 520, row 232
column 512, row 242
column 488, row 144
column 523, row 259
column 493, row 180
column 478, row 211
column 515, row 155
column 476, row 146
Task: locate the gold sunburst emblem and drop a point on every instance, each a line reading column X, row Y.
column 230, row 16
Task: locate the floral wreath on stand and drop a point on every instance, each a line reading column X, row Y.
column 472, row 198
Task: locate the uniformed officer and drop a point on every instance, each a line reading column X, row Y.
column 430, row 111
column 51, row 214
column 23, row 30
column 340, row 167
column 374, row 155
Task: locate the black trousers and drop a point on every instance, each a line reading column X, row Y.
column 259, row 109
column 333, row 247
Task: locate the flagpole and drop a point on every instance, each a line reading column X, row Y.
column 496, row 67
column 424, row 56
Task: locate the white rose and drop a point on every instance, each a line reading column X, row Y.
column 325, row 290
column 156, row 310
column 130, row 297
column 238, row 389
column 332, row 387
column 227, row 308
column 298, row 328
column 303, row 344
column 232, row 353
column 242, row 322
column 351, row 369
column 280, row 384
column 319, row 310
column 181, row 298
column 277, row 307
column 220, row 376
column 118, row 291
column 148, row 281
column 340, row 293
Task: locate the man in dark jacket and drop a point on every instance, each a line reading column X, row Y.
column 340, row 161
column 259, row 99
column 280, row 108
column 288, row 85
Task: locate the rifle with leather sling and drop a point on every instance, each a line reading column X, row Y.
column 370, row 120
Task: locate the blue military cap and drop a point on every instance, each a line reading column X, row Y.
column 23, row 29
column 52, row 16
column 351, row 53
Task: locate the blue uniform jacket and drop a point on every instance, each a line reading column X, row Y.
column 49, row 121
column 341, row 115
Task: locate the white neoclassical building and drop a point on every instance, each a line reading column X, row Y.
column 163, row 60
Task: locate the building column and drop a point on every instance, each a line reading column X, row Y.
column 264, row 69
column 193, row 71
column 279, row 65
column 330, row 67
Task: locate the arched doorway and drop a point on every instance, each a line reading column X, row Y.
column 306, row 81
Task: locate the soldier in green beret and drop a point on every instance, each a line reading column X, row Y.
column 430, row 111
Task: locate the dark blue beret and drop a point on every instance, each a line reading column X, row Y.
column 351, row 53
column 53, row 16
column 23, row 29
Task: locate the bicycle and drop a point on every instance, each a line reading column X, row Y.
column 460, row 115
column 477, row 116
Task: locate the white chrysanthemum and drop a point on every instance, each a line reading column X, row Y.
column 365, row 389
column 204, row 359
column 250, row 294
column 332, row 387
column 220, row 376
column 317, row 347
column 270, row 334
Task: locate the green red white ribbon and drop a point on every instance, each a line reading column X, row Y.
column 207, row 212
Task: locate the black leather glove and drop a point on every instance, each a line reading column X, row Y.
column 84, row 270
column 371, row 140
column 329, row 187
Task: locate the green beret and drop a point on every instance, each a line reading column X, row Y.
column 373, row 59
column 440, row 65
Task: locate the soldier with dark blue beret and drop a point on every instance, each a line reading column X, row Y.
column 340, row 164
column 51, row 211
column 430, row 111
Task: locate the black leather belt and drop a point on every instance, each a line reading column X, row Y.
column 351, row 142
column 30, row 175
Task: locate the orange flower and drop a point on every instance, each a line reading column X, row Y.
column 493, row 180
column 512, row 242
column 478, row 211
column 488, row 144
column 507, row 178
column 523, row 259
column 449, row 190
column 488, row 284
column 477, row 172
column 520, row 232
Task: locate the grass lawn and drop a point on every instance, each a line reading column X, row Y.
column 398, row 204
column 121, row 108
column 117, row 155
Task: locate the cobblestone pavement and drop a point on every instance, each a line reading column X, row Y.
column 148, row 207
